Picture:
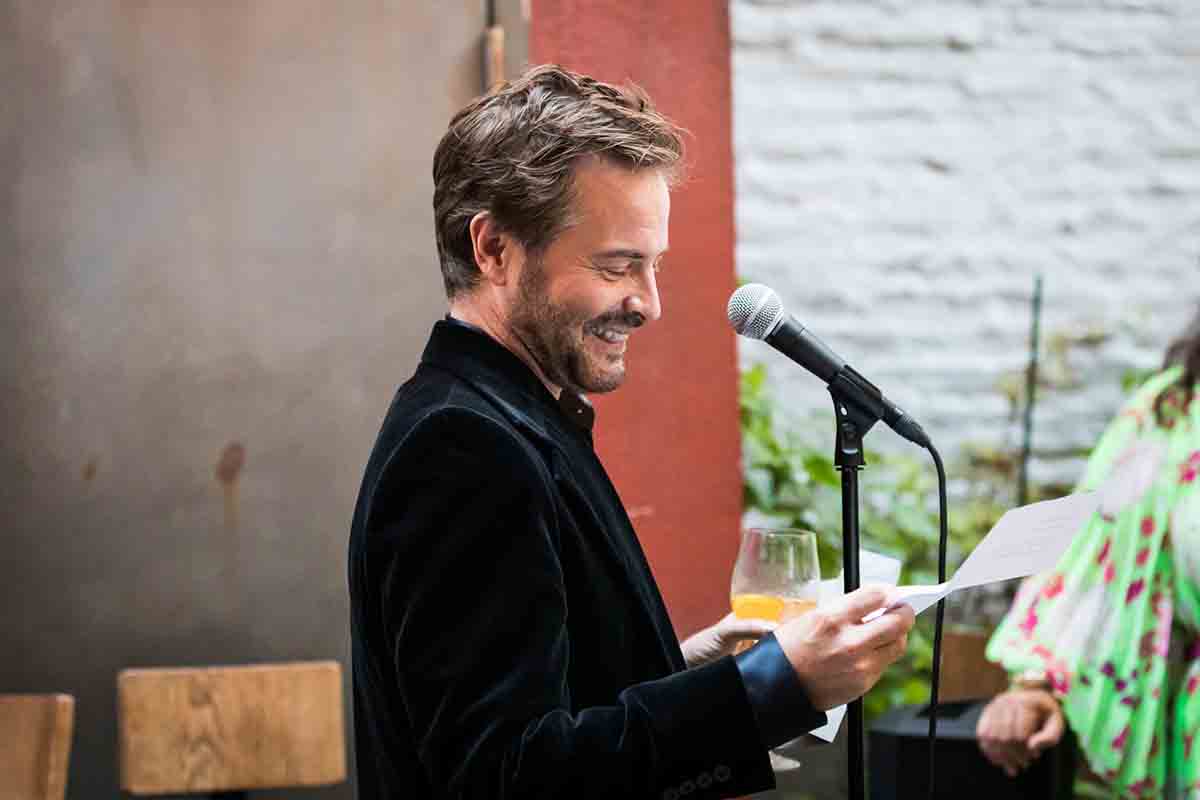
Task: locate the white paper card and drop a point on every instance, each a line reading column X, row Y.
column 1025, row 541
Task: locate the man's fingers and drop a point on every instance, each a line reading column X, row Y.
column 856, row 605
column 893, row 650
column 746, row 628
column 885, row 630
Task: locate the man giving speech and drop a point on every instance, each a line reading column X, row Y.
column 509, row 640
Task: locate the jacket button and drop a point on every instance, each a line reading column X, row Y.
column 704, row 780
column 687, row 787
column 722, row 773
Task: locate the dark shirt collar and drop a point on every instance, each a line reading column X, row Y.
column 473, row 354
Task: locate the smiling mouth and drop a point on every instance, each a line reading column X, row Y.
column 610, row 335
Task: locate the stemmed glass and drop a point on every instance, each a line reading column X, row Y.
column 777, row 577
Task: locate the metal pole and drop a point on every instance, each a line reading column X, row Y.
column 1031, row 373
column 849, row 460
column 854, row 712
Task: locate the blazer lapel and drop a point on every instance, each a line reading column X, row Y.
column 623, row 547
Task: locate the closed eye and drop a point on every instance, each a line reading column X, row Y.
column 617, row 264
column 614, row 270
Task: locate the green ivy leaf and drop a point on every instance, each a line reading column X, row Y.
column 822, row 470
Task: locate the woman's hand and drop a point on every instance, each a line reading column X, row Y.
column 720, row 640
column 1018, row 726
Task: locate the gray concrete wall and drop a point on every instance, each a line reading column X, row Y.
column 218, row 259
column 905, row 167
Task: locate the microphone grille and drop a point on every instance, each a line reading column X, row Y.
column 754, row 310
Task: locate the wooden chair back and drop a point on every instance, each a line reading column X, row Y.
column 35, row 745
column 966, row 672
column 216, row 729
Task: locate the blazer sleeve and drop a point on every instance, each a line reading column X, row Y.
column 463, row 538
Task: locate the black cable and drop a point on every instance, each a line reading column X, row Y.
column 943, row 537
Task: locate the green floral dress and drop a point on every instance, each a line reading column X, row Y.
column 1114, row 625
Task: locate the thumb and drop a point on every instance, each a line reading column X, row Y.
column 861, row 602
column 1052, row 728
column 735, row 628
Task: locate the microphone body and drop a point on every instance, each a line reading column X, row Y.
column 755, row 311
column 800, row 345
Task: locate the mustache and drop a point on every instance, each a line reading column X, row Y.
column 616, row 319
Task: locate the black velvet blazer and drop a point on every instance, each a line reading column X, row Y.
column 509, row 640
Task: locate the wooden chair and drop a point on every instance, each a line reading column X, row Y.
column 231, row 729
column 966, row 672
column 35, row 745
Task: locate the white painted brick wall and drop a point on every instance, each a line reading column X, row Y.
column 904, row 168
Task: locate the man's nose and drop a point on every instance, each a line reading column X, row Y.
column 644, row 299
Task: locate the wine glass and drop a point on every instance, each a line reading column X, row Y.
column 777, row 577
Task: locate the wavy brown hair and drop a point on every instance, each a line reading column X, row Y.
column 512, row 154
column 1184, row 351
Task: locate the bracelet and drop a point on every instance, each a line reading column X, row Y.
column 1036, row 680
column 1032, row 679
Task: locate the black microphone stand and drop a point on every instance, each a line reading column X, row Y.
column 855, row 412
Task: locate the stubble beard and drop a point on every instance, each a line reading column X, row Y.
column 554, row 336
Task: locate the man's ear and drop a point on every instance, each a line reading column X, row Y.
column 494, row 249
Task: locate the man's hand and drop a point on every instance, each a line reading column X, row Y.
column 1017, row 726
column 721, row 639
column 838, row 658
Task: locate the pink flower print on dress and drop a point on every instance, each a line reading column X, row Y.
column 1031, row 620
column 1143, row 786
column 1147, row 525
column 1189, row 469
column 1053, row 587
column 1193, row 683
column 1110, row 572
column 1143, row 556
column 1134, row 590
column 1104, row 551
column 1119, row 742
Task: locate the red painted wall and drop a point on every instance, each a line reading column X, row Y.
column 669, row 436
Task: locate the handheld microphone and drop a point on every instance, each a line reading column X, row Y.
column 755, row 311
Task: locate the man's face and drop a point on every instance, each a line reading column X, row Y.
column 596, row 282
